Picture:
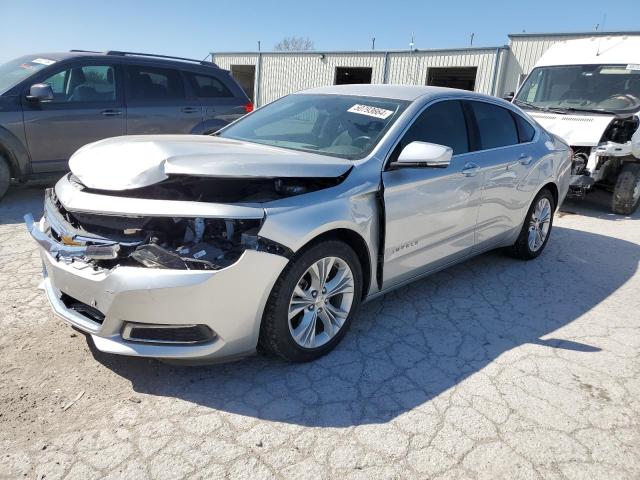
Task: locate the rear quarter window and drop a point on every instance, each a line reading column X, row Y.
column 526, row 132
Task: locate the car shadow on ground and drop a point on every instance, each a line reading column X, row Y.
column 412, row 344
column 20, row 200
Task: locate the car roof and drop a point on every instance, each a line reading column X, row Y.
column 398, row 92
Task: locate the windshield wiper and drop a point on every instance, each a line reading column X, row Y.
column 590, row 110
column 538, row 107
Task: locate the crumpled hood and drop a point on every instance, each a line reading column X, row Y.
column 123, row 163
column 576, row 130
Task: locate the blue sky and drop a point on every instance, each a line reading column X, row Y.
column 193, row 28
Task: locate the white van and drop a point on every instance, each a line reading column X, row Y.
column 588, row 93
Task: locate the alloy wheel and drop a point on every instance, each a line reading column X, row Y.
column 539, row 224
column 321, row 302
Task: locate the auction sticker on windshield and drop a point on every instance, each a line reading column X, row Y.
column 370, row 111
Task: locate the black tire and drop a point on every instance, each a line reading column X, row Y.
column 623, row 201
column 521, row 249
column 275, row 335
column 5, row 176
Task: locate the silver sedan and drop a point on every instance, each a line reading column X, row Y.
column 274, row 230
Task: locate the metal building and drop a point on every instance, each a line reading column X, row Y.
column 267, row 76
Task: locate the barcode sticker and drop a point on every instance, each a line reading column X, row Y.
column 370, row 111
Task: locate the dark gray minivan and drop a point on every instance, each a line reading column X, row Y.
column 51, row 104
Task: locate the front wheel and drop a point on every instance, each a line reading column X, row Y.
column 626, row 194
column 536, row 228
column 313, row 302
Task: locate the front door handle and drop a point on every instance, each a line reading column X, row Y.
column 190, row 109
column 470, row 169
column 111, row 113
column 525, row 159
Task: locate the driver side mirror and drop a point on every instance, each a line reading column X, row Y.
column 40, row 92
column 423, row 154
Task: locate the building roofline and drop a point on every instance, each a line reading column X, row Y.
column 586, row 34
column 362, row 52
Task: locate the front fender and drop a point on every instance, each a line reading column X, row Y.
column 18, row 156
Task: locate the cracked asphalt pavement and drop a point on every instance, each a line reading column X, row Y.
column 495, row 368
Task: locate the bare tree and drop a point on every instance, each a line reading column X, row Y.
column 297, row 44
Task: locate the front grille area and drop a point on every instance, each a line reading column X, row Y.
column 87, row 311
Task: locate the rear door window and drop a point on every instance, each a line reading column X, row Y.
column 153, row 84
column 496, row 125
column 205, row 86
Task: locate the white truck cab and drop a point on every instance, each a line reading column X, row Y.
column 587, row 92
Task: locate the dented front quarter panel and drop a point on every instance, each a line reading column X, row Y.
column 352, row 205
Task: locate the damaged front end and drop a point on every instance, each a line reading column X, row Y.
column 153, row 241
column 601, row 163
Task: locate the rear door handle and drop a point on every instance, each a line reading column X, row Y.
column 111, row 113
column 191, row 110
column 525, row 159
column 470, row 169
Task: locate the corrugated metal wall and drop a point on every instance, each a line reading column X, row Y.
column 283, row 73
column 413, row 67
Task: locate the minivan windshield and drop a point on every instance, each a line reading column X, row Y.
column 337, row 125
column 14, row 71
column 582, row 87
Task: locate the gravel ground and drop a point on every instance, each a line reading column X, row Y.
column 492, row 369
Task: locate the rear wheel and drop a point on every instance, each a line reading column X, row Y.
column 313, row 302
column 626, row 194
column 536, row 228
column 5, row 176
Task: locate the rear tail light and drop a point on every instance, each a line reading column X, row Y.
column 248, row 107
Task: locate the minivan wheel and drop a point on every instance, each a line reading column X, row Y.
column 536, row 229
column 626, row 194
column 313, row 302
column 5, row 176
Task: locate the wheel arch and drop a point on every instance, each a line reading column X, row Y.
column 357, row 243
column 553, row 188
column 12, row 150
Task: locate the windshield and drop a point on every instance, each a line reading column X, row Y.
column 336, row 125
column 13, row 72
column 591, row 87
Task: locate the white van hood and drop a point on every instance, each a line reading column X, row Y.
column 576, row 130
column 123, row 163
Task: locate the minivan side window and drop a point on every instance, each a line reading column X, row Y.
column 496, row 125
column 153, row 83
column 204, row 86
column 442, row 123
column 91, row 83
